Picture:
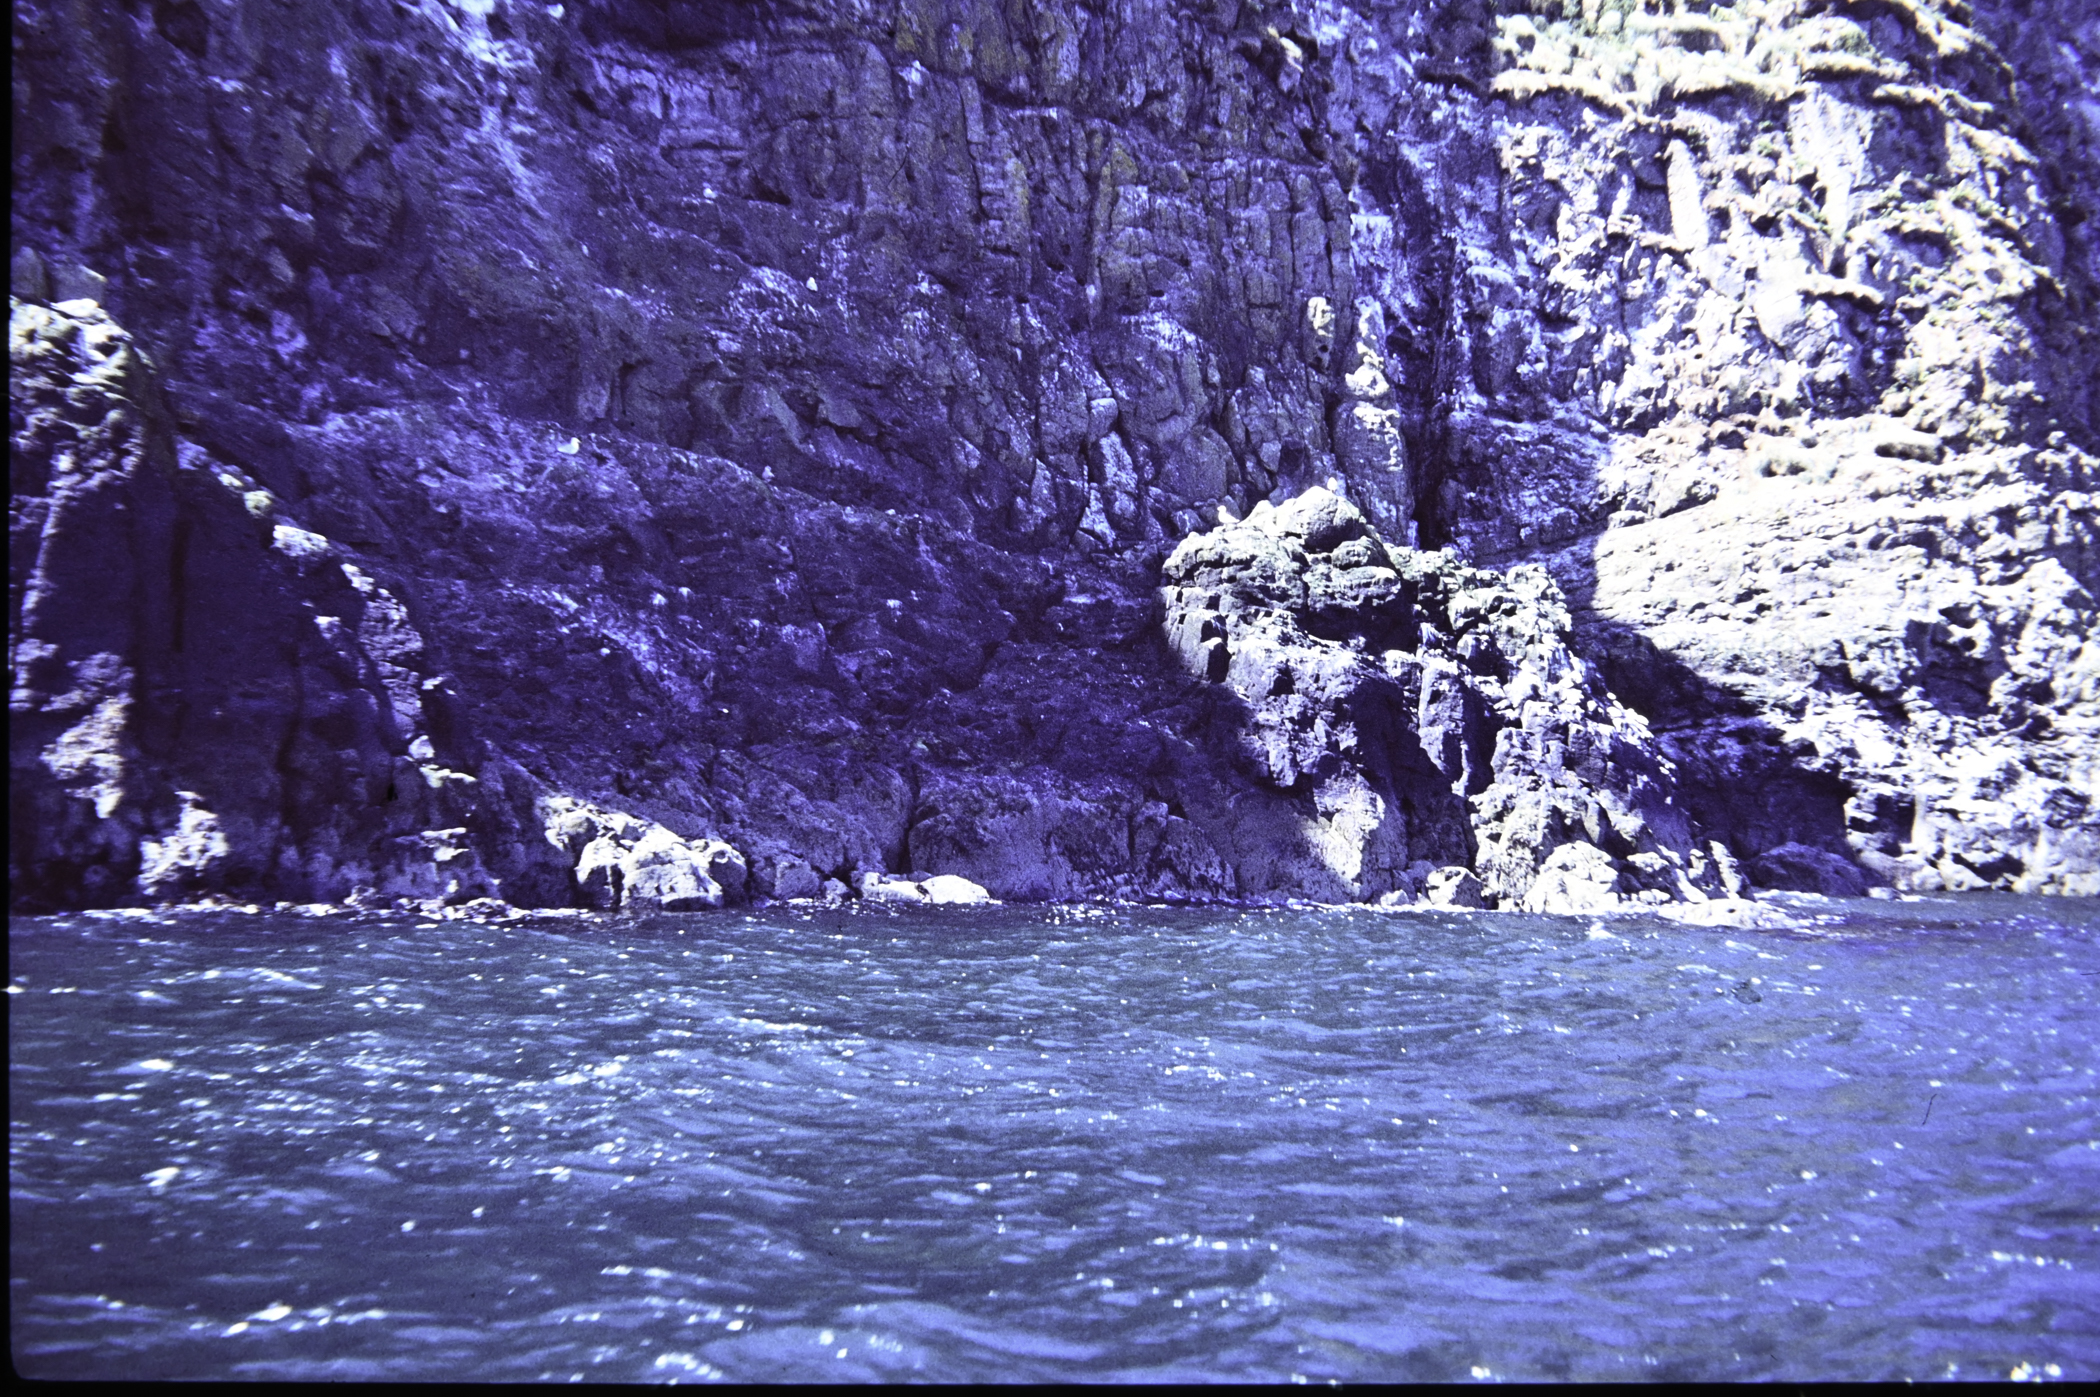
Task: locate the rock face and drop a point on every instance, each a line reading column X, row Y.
column 639, row 453
column 204, row 698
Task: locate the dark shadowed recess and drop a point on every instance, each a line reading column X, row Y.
column 1741, row 779
column 682, row 24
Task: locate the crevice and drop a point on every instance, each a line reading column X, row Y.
column 178, row 582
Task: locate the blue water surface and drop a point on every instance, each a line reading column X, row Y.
column 1080, row 1144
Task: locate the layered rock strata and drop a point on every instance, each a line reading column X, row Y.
column 769, row 424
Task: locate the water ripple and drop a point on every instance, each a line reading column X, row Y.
column 960, row 1145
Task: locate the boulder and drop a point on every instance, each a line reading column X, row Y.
column 793, row 878
column 1455, row 887
column 600, row 880
column 874, row 887
column 664, row 873
column 1802, row 868
column 726, row 867
column 1576, row 878
column 673, row 885
column 950, row 890
column 626, row 863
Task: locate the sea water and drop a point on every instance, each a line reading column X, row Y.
column 1087, row 1144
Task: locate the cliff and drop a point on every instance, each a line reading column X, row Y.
column 625, row 454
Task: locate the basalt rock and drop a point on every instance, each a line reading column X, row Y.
column 771, row 423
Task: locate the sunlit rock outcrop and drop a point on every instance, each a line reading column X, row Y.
column 770, row 423
column 1427, row 716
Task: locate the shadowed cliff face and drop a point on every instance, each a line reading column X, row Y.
column 706, row 450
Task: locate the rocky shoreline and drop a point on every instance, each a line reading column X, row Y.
column 1753, row 911
column 629, row 455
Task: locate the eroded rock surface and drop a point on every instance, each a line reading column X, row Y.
column 1425, row 715
column 769, row 424
column 206, row 699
